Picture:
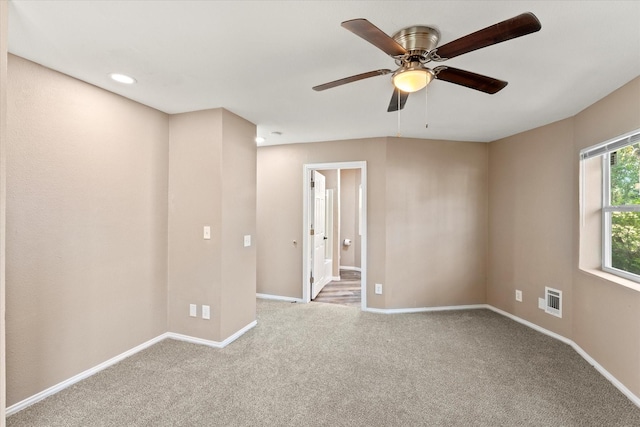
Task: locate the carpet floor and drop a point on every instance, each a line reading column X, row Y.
column 333, row 365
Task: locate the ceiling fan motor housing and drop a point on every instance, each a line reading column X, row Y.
column 418, row 40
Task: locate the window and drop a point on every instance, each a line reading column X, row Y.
column 620, row 211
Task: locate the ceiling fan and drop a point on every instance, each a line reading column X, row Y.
column 414, row 47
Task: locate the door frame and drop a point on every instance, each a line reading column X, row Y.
column 320, row 239
column 306, row 241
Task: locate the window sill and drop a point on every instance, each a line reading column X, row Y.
column 613, row 278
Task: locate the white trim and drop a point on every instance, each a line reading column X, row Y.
column 16, row 407
column 335, row 278
column 81, row 376
column 613, row 380
column 76, row 378
column 350, row 268
column 425, row 309
column 606, row 218
column 306, row 248
column 214, row 344
column 531, row 325
column 610, row 145
column 279, row 298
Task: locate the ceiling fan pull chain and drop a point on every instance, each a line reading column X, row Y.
column 426, row 107
column 398, row 133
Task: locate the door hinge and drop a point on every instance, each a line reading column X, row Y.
column 313, row 184
column 312, row 232
column 311, row 279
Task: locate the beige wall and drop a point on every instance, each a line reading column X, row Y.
column 436, row 217
column 87, row 226
column 349, row 182
column 195, row 187
column 535, row 232
column 606, row 315
column 531, row 184
column 238, row 298
column 212, row 183
column 406, row 237
column 3, row 135
column 279, row 208
column 88, row 220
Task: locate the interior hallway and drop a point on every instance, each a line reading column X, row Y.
column 346, row 291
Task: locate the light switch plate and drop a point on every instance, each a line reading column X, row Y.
column 247, row 240
column 206, row 312
column 193, row 310
column 378, row 288
column 206, row 232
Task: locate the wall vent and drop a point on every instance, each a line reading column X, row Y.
column 553, row 298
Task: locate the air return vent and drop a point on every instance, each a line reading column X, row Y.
column 553, row 298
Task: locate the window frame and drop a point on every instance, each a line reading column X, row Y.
column 608, row 210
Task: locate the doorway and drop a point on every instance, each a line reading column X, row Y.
column 322, row 245
column 344, row 290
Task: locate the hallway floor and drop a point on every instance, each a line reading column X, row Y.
column 345, row 291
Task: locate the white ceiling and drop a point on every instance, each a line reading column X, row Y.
column 259, row 59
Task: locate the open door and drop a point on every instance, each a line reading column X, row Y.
column 328, row 232
column 318, row 272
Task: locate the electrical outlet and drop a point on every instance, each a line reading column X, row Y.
column 206, row 312
column 247, row 240
column 518, row 295
column 206, row 233
column 542, row 304
column 378, row 289
column 193, row 310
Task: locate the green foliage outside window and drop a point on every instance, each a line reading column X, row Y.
column 625, row 226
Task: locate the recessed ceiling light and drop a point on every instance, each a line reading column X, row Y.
column 260, row 139
column 122, row 78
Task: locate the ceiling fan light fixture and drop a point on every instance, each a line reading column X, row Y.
column 412, row 79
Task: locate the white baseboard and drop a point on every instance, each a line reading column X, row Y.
column 89, row 372
column 424, row 309
column 530, row 324
column 613, row 380
column 85, row 374
column 81, row 376
column 214, row 344
column 278, row 298
column 347, row 267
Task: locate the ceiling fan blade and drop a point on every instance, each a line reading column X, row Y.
column 374, row 35
column 469, row 79
column 394, row 105
column 351, row 79
column 520, row 25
